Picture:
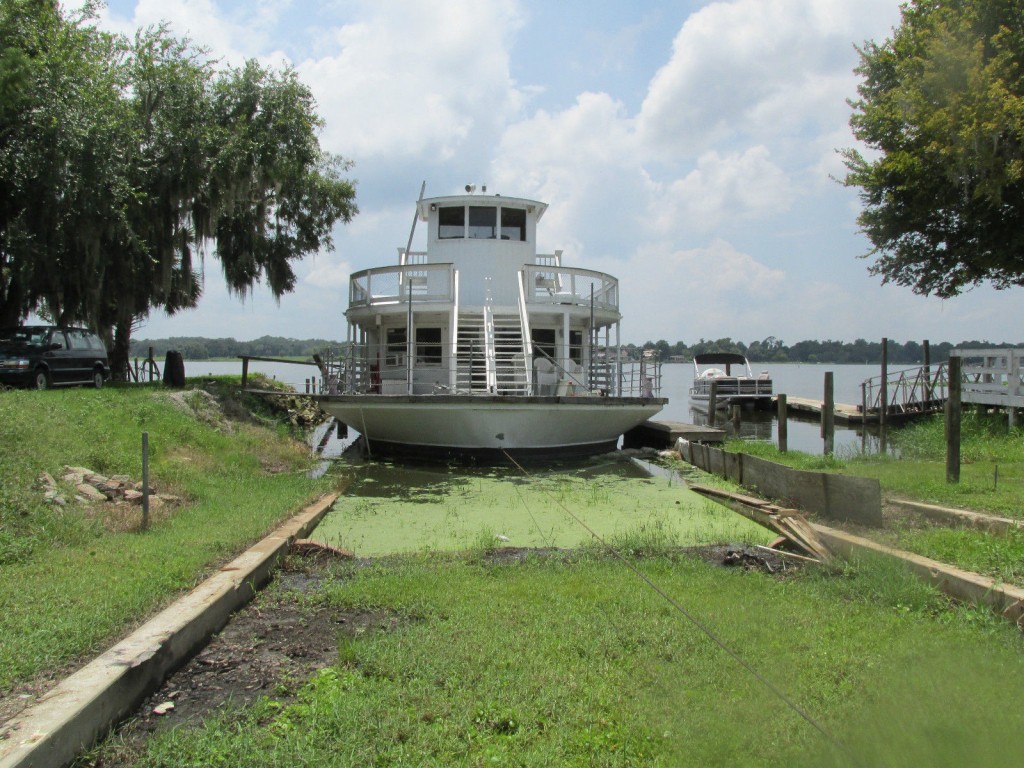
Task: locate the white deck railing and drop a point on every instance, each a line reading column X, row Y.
column 567, row 285
column 392, row 285
column 991, row 376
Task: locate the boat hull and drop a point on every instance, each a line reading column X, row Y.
column 482, row 426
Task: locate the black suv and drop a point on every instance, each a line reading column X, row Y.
column 43, row 356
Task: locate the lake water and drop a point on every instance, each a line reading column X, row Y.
column 793, row 379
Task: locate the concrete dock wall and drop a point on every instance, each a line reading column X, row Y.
column 834, row 497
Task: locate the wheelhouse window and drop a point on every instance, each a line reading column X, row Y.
column 428, row 346
column 451, row 222
column 483, row 223
column 394, row 352
column 513, row 224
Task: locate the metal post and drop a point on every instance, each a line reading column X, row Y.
column 408, row 339
column 145, row 480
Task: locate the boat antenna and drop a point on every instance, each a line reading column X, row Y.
column 408, row 282
column 416, row 215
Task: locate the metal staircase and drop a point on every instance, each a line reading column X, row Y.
column 490, row 355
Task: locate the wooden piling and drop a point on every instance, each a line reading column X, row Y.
column 864, row 414
column 145, row 481
column 883, row 397
column 953, row 421
column 783, row 418
column 734, row 413
column 712, row 403
column 927, row 368
column 828, row 414
column 245, row 370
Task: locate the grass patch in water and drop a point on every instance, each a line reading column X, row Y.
column 447, row 511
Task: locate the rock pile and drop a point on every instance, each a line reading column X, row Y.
column 93, row 487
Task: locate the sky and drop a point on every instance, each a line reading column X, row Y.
column 688, row 148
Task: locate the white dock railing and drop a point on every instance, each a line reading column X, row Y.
column 992, row 376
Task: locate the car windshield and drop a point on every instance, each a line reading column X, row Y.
column 23, row 337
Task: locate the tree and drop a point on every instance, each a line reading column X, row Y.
column 942, row 107
column 55, row 127
column 124, row 161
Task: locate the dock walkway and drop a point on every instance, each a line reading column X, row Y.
column 806, row 406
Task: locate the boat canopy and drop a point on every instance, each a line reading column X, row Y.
column 719, row 358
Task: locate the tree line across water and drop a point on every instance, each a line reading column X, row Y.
column 769, row 350
column 773, row 350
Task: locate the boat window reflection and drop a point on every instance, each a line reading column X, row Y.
column 513, row 224
column 483, row 223
column 451, row 222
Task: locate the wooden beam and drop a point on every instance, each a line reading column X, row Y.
column 786, row 522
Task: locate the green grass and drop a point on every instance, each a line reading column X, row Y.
column 991, row 471
column 998, row 555
column 576, row 663
column 72, row 578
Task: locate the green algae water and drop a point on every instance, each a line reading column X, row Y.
column 390, row 508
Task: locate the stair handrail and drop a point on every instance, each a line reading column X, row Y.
column 524, row 327
column 490, row 366
column 453, row 359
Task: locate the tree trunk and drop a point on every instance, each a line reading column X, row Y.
column 119, row 363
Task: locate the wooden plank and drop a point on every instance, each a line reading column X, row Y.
column 787, row 522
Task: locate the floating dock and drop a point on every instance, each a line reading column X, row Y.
column 844, row 412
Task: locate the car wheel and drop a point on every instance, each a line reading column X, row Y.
column 97, row 379
column 42, row 379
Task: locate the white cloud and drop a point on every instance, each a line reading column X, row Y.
column 328, row 272
column 416, row 83
column 201, row 21
column 720, row 190
column 751, row 66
